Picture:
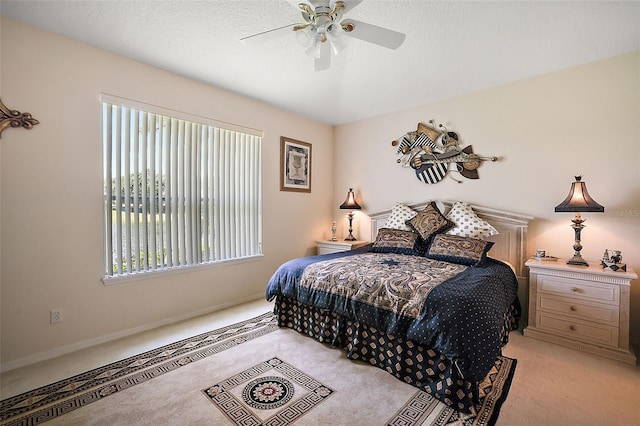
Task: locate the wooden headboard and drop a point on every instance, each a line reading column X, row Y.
column 510, row 244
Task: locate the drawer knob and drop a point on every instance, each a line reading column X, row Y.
column 573, row 308
column 573, row 327
column 575, row 289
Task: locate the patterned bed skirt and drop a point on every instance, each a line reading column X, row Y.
column 419, row 366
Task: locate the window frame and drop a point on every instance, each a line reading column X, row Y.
column 160, row 271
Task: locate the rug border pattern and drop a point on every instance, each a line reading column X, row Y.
column 496, row 389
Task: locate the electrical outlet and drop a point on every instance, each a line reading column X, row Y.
column 56, row 316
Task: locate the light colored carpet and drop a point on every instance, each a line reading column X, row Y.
column 205, row 381
column 560, row 386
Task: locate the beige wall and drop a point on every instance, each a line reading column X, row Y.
column 545, row 130
column 51, row 197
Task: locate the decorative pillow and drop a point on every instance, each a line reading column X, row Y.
column 399, row 215
column 429, row 222
column 461, row 250
column 468, row 224
column 398, row 241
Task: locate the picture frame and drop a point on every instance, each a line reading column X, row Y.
column 295, row 165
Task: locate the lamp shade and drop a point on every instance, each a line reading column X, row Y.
column 350, row 202
column 579, row 199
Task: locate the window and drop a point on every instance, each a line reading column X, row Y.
column 179, row 190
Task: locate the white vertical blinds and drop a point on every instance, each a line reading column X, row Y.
column 177, row 192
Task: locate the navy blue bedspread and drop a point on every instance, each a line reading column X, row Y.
column 462, row 318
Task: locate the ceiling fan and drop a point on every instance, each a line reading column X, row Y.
column 323, row 29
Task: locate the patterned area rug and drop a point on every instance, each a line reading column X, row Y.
column 250, row 373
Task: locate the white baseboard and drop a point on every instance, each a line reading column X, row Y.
column 63, row 350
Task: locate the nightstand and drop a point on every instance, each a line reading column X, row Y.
column 325, row 246
column 582, row 307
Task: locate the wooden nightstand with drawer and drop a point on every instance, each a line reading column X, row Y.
column 582, row 307
column 326, row 247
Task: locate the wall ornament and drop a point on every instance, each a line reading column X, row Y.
column 13, row 118
column 433, row 152
column 295, row 165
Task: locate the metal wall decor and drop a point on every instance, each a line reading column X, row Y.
column 13, row 118
column 432, row 152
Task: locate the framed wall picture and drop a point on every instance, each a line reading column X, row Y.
column 295, row 165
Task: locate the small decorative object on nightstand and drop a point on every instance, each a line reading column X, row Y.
column 585, row 308
column 614, row 261
column 326, row 247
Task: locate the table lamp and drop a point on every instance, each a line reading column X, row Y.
column 351, row 205
column 578, row 201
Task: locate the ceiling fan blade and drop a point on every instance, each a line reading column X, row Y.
column 268, row 35
column 324, row 61
column 373, row 34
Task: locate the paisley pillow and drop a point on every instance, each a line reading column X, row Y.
column 468, row 224
column 397, row 241
column 429, row 222
column 460, row 250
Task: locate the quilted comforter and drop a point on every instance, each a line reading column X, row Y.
column 457, row 310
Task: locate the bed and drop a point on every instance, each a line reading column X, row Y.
column 431, row 300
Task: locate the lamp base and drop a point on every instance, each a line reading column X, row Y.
column 350, row 237
column 577, row 260
column 577, row 225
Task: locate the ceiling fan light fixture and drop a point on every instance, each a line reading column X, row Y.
column 314, row 48
column 333, row 29
column 304, row 36
column 323, row 62
column 337, row 46
column 337, row 42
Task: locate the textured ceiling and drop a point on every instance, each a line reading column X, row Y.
column 451, row 48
